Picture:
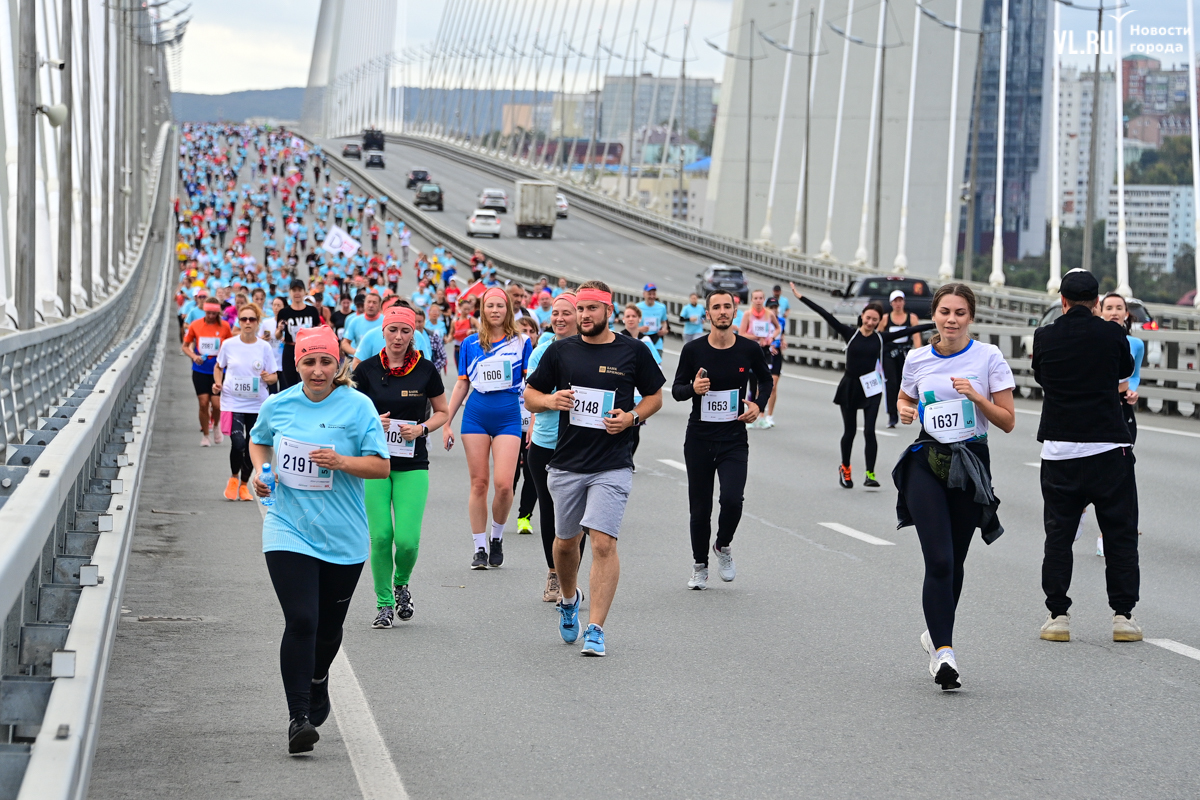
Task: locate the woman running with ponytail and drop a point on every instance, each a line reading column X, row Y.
column 862, row 382
column 955, row 388
column 245, row 368
column 401, row 384
column 493, row 362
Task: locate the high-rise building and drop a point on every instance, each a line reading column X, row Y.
column 696, row 105
column 1159, row 222
column 1075, row 140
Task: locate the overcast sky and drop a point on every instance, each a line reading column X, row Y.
column 233, row 45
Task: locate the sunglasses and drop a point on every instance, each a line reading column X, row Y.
column 247, row 319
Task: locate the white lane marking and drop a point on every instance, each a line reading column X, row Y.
column 1037, row 464
column 785, row 374
column 670, row 462
column 848, row 531
column 1176, row 647
column 373, row 765
column 1168, row 430
column 883, row 433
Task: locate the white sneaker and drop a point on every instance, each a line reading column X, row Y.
column 1126, row 630
column 945, row 670
column 205, row 442
column 770, row 422
column 725, row 566
column 216, row 435
column 699, row 577
column 1100, row 546
column 1057, row 629
column 927, row 646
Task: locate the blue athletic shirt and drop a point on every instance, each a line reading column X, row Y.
column 358, row 326
column 372, row 342
column 693, row 319
column 1137, row 348
column 654, row 317
column 472, row 360
column 328, row 525
column 545, row 425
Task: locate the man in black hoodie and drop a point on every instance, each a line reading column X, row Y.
column 1080, row 362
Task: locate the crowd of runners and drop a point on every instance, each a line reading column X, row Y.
column 328, row 373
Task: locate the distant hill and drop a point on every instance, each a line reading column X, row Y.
column 236, row 106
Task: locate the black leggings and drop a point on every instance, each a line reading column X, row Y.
column 288, row 376
column 706, row 461
column 529, row 493
column 239, row 445
column 315, row 596
column 1129, row 412
column 850, row 425
column 946, row 520
column 536, row 459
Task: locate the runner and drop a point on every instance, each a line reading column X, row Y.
column 291, row 319
column 713, row 373
column 402, row 385
column 201, row 344
column 955, row 387
column 862, row 381
column 493, row 362
column 654, row 317
column 528, row 498
column 693, row 318
column 893, row 365
column 1087, row 454
column 315, row 534
column 245, row 367
column 762, row 326
column 590, row 380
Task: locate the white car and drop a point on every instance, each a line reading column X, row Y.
column 493, row 198
column 483, row 221
column 562, row 204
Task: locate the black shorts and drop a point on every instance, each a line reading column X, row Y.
column 775, row 362
column 203, row 381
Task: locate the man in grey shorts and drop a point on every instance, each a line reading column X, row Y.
column 590, row 381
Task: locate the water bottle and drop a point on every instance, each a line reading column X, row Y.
column 268, row 477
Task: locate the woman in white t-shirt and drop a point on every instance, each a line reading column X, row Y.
column 955, row 388
column 245, row 366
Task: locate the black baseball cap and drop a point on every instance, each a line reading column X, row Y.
column 1079, row 286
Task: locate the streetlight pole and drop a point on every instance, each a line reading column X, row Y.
column 997, row 276
column 901, row 261
column 764, row 236
column 1094, row 147
column 1055, row 278
column 968, row 270
column 860, row 254
column 749, row 118
column 85, row 153
column 25, row 277
column 1119, row 114
column 827, row 242
column 798, row 241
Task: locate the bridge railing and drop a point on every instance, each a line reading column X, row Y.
column 82, row 398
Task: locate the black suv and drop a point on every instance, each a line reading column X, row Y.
column 352, row 151
column 415, row 177
column 372, row 139
column 375, row 160
column 726, row 278
column 429, row 194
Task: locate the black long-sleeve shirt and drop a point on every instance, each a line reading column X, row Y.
column 728, row 369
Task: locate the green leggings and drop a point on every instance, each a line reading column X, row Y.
column 402, row 494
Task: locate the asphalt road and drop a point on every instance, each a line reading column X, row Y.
column 802, row 678
column 583, row 245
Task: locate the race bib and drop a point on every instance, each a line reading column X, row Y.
column 719, row 406
column 950, row 420
column 872, row 382
column 397, row 447
column 493, row 375
column 590, row 407
column 526, row 418
column 208, row 345
column 296, row 471
column 652, row 325
column 760, row 328
column 245, row 388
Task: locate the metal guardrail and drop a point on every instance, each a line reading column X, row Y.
column 68, row 499
column 1004, row 305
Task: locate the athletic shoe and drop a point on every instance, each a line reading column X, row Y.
column 593, row 642
column 552, row 593
column 725, row 566
column 568, row 623
column 231, row 489
column 525, row 524
column 1057, row 628
column 945, row 670
column 844, row 477
column 404, row 603
column 1126, row 629
column 699, row 579
column 217, row 438
column 302, row 735
column 384, row 618
column 927, row 646
column 244, row 492
column 870, row 482
column 770, row 422
column 496, row 558
column 205, row 441
column 481, row 559
column 318, row 702
column 1100, row 546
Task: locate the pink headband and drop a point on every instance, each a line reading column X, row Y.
column 212, row 306
column 568, row 297
column 400, row 315
column 316, row 340
column 594, row 295
column 495, row 291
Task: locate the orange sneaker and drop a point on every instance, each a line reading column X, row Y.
column 231, row 489
column 844, row 477
column 244, row 492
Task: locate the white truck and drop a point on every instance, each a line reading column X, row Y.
column 536, row 208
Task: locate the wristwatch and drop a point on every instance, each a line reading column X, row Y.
column 637, row 418
column 424, row 429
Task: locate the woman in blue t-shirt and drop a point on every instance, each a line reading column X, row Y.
column 322, row 440
column 493, row 362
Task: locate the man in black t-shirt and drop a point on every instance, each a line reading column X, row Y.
column 294, row 317
column 713, row 373
column 590, row 381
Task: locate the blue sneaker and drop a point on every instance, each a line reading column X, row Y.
column 568, row 624
column 593, row 641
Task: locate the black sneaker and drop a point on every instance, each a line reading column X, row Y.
column 497, row 556
column 404, row 604
column 481, row 559
column 318, row 702
column 870, row 482
column 302, row 735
